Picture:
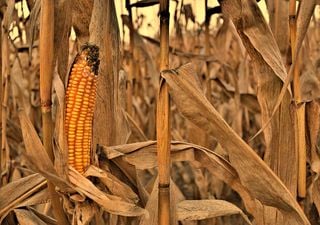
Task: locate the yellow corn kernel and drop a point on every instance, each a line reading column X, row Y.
column 80, row 102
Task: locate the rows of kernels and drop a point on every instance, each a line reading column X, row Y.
column 80, row 101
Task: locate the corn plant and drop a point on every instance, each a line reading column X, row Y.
column 160, row 112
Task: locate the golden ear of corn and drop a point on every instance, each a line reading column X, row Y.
column 80, row 103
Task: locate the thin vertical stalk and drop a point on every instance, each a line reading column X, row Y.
column 46, row 71
column 46, row 74
column 163, row 121
column 1, row 97
column 206, row 140
column 207, row 49
column 4, row 97
column 300, row 107
column 131, row 63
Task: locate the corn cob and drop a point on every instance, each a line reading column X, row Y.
column 80, row 102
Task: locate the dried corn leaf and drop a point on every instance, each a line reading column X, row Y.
column 120, row 150
column 316, row 194
column 115, row 186
column 109, row 126
column 9, row 14
column 14, row 193
column 152, row 205
column 37, row 155
column 304, row 17
column 110, row 203
column 152, row 69
column 181, row 151
column 310, row 86
column 281, row 28
column 136, row 133
column 276, row 124
column 39, row 197
column 60, row 145
column 34, row 24
column 303, row 20
column 249, row 20
column 205, row 209
column 26, row 217
column 81, row 15
column 313, row 124
column 250, row 101
column 62, row 27
column 254, row 174
column 84, row 213
column 79, row 182
column 48, row 220
column 146, row 159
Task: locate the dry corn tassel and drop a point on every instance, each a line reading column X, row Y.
column 80, row 102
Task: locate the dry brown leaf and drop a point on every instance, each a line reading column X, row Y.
column 313, row 123
column 136, row 133
column 181, row 151
column 60, row 145
column 254, row 174
column 19, row 191
column 143, row 48
column 20, row 85
column 62, row 27
column 310, row 86
column 39, row 197
column 119, row 150
column 152, row 205
column 276, row 124
column 304, row 17
column 306, row 12
column 248, row 19
column 109, row 126
column 205, row 209
column 223, row 40
column 316, row 194
column 48, row 220
column 248, row 100
column 81, row 15
column 115, row 186
column 110, row 203
column 84, row 213
column 303, row 20
column 280, row 27
column 261, row 46
column 34, row 25
column 26, row 217
column 37, row 155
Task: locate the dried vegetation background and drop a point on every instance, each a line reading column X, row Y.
column 244, row 115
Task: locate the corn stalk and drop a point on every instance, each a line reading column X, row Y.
column 1, row 97
column 207, row 49
column 5, row 65
column 46, row 74
column 163, row 121
column 131, row 63
column 300, row 141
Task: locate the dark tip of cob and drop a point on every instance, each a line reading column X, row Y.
column 92, row 56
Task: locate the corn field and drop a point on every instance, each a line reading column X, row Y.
column 203, row 121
